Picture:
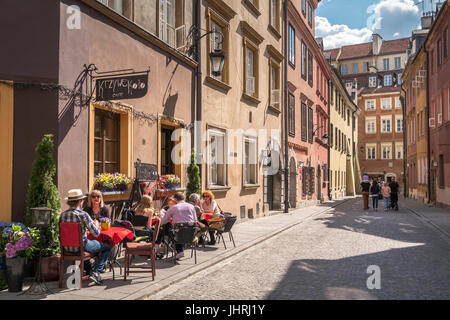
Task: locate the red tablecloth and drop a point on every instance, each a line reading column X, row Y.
column 207, row 215
column 114, row 234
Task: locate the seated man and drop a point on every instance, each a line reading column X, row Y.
column 75, row 201
column 182, row 212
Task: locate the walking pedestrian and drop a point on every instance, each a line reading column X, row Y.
column 375, row 191
column 386, row 191
column 365, row 186
column 394, row 193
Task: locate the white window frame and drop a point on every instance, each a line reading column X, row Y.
column 399, row 149
column 212, row 132
column 398, row 117
column 384, row 64
column 372, row 82
column 370, row 120
column 399, row 66
column 387, row 80
column 388, row 146
column 371, row 149
column 383, row 124
column 371, row 105
column 167, row 7
column 397, row 102
column 386, row 100
column 251, row 160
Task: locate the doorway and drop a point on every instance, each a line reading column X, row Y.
column 292, row 184
column 167, row 165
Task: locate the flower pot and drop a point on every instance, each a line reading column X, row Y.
column 15, row 273
column 106, row 225
column 3, row 284
column 50, row 268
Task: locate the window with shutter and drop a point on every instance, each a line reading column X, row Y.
column 304, row 122
column 310, row 124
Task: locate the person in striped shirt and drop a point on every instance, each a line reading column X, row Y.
column 75, row 201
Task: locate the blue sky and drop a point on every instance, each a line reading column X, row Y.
column 343, row 22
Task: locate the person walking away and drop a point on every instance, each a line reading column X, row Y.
column 365, row 186
column 394, row 193
column 386, row 191
column 375, row 191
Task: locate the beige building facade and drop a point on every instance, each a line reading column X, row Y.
column 241, row 108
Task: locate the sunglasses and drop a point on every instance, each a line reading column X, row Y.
column 94, row 197
column 205, row 196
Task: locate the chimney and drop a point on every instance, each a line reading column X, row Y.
column 426, row 22
column 320, row 42
column 377, row 40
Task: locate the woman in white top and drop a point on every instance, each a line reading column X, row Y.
column 210, row 210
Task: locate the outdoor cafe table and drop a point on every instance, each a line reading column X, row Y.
column 207, row 215
column 114, row 235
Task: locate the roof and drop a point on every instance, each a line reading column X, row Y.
column 356, row 50
column 391, row 46
column 379, row 90
column 333, row 54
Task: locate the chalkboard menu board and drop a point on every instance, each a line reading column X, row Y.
column 146, row 171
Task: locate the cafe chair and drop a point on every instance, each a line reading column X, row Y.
column 142, row 249
column 184, row 233
column 71, row 235
column 228, row 224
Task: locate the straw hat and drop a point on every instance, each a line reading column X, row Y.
column 75, row 194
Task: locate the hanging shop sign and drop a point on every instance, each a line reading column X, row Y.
column 146, row 171
column 121, row 86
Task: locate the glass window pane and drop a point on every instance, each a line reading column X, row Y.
column 111, row 151
column 111, row 131
column 97, row 151
column 98, row 125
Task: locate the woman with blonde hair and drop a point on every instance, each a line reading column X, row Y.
column 96, row 207
column 145, row 207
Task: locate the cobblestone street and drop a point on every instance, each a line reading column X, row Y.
column 327, row 257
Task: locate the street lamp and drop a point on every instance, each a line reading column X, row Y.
column 324, row 137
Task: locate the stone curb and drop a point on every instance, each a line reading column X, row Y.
column 165, row 283
column 428, row 222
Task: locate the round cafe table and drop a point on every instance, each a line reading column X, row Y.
column 207, row 215
column 113, row 236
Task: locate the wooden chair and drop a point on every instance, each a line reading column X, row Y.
column 71, row 235
column 142, row 249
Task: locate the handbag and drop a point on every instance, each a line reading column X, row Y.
column 216, row 223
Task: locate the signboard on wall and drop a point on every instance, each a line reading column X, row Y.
column 118, row 87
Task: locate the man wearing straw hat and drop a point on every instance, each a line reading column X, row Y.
column 75, row 201
column 365, row 186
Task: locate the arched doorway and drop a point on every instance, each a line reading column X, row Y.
column 292, row 184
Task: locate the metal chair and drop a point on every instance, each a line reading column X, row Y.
column 184, row 233
column 228, row 224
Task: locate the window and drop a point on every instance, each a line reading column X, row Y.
column 386, row 151
column 386, row 124
column 399, row 150
column 123, row 7
column 106, row 142
column 250, row 72
column 371, row 151
column 348, row 117
column 167, row 21
column 385, row 64
column 386, row 104
column 336, row 134
column 344, row 69
column 354, row 68
column 274, row 16
column 292, row 46
column 250, row 166
column 331, row 135
column 304, row 61
column 304, row 122
column 371, row 125
column 370, row 105
column 310, row 124
column 399, row 78
column 304, row 8
column 397, row 62
column 388, row 80
column 216, row 151
column 366, row 67
column 445, row 36
column 310, row 68
column 398, row 123
column 398, row 103
column 372, row 82
column 216, row 44
column 291, row 115
column 274, row 84
column 310, row 14
column 439, row 52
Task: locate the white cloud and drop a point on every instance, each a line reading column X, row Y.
column 337, row 35
column 396, row 34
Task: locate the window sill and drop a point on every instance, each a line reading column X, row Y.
column 250, row 186
column 252, row 7
column 274, row 109
column 275, row 31
column 250, row 98
column 218, row 188
column 217, row 83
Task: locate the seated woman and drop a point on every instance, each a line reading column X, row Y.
column 145, row 208
column 210, row 210
column 96, row 207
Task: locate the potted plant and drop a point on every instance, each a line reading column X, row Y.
column 18, row 246
column 43, row 192
column 194, row 185
column 171, row 181
column 107, row 182
column 105, row 223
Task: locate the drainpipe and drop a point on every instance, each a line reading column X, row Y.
column 198, row 118
column 329, row 133
column 405, row 149
column 428, row 127
column 286, row 148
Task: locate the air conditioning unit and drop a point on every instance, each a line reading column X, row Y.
column 431, row 122
column 275, row 97
column 439, row 118
column 250, row 86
